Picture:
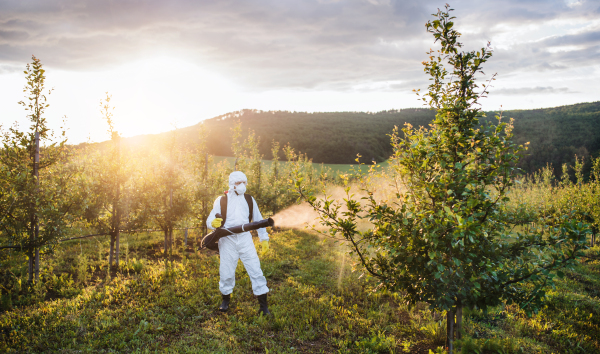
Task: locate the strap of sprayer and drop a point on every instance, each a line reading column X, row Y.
column 224, row 207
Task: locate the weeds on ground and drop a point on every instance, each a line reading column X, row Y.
column 319, row 306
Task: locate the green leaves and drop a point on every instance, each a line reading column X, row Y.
column 27, row 200
column 448, row 238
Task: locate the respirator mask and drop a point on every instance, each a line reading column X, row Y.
column 240, row 188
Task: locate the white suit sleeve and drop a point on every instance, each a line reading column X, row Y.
column 216, row 209
column 262, row 232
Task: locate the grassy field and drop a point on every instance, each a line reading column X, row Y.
column 319, row 306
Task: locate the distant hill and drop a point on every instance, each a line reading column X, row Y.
column 556, row 135
column 331, row 137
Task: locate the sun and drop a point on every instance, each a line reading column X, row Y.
column 157, row 94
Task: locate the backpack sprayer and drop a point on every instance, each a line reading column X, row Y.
column 211, row 241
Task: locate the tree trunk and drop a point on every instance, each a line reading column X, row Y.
column 30, row 267
column 166, row 240
column 170, row 228
column 459, row 318
column 450, row 331
column 117, row 238
column 112, row 249
column 34, row 259
column 204, row 202
column 31, row 253
column 37, row 259
column 113, row 235
column 116, row 209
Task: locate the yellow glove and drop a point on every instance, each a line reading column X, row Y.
column 264, row 247
column 216, row 223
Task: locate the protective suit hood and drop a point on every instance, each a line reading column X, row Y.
column 234, row 177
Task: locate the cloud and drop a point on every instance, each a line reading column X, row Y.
column 531, row 91
column 580, row 39
column 271, row 44
column 9, row 69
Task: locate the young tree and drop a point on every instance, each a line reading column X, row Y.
column 112, row 194
column 272, row 191
column 165, row 191
column 249, row 161
column 249, row 158
column 446, row 241
column 35, row 189
column 208, row 180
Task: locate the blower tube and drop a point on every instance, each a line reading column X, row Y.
column 211, row 241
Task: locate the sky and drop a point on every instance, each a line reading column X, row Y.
column 170, row 64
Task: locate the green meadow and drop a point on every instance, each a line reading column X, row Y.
column 319, row 305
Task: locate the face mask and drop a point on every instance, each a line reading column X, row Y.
column 240, row 188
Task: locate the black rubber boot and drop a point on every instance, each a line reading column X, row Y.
column 225, row 304
column 262, row 301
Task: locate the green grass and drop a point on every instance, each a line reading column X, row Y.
column 319, row 306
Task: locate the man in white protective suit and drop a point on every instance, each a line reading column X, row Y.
column 239, row 246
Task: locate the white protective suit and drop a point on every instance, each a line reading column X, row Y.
column 239, row 246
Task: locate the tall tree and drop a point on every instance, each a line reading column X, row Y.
column 446, row 240
column 35, row 191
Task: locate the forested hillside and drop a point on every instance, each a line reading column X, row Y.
column 330, row 137
column 556, row 135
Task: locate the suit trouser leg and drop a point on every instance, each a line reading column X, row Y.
column 227, row 263
column 249, row 257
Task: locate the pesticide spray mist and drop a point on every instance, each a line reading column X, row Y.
column 302, row 215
